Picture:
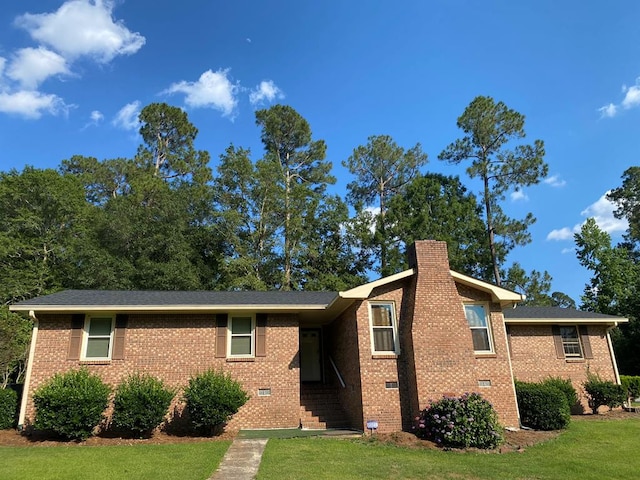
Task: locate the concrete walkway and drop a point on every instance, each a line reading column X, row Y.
column 242, row 460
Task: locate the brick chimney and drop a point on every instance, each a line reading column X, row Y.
column 443, row 355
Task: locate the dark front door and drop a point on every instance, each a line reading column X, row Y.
column 310, row 355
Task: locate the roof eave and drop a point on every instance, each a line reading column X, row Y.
column 364, row 291
column 165, row 308
column 498, row 294
column 566, row 321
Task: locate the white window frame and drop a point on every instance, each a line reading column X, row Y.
column 393, row 327
column 487, row 328
column 85, row 336
column 577, row 342
column 231, row 335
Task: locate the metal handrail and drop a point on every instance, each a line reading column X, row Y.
column 335, row 369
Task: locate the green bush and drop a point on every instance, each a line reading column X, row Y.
column 8, row 408
column 631, row 385
column 212, row 398
column 460, row 422
column 603, row 392
column 140, row 404
column 542, row 407
column 565, row 386
column 71, row 404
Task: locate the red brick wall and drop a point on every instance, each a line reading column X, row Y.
column 533, row 357
column 174, row 347
column 496, row 368
column 342, row 346
column 445, row 363
column 378, row 402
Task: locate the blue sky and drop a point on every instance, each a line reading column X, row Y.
column 74, row 74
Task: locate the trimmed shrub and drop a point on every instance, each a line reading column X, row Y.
column 631, row 385
column 565, row 386
column 542, row 407
column 71, row 404
column 460, row 422
column 140, row 404
column 603, row 392
column 212, row 398
column 8, row 408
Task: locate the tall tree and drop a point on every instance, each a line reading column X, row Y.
column 535, row 286
column 302, row 174
column 489, row 128
column 152, row 227
column 614, row 289
column 168, row 149
column 382, row 169
column 247, row 219
column 438, row 207
column 41, row 212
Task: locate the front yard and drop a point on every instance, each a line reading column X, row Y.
column 592, row 448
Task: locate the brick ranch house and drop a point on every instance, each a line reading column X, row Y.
column 381, row 351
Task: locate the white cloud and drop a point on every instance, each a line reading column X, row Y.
column 266, row 90
column 96, row 116
column 32, row 104
column 127, row 117
column 31, row 66
column 608, row 111
column 602, row 212
column 631, row 100
column 560, row 234
column 212, row 90
column 82, row 28
column 568, row 250
column 632, row 96
column 555, row 181
column 518, row 195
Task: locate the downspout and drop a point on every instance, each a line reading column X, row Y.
column 27, row 377
column 513, row 380
column 613, row 355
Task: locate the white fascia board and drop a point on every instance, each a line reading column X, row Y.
column 164, row 308
column 499, row 294
column 565, row 321
column 364, row 291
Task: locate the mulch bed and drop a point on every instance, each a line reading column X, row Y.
column 514, row 441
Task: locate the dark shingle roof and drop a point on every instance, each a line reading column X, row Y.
column 178, row 298
column 548, row 313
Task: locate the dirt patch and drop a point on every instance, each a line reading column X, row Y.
column 514, row 441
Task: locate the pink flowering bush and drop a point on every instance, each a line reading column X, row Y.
column 460, row 422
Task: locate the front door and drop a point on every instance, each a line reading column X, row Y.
column 310, row 355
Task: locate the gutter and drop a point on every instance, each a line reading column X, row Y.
column 27, row 377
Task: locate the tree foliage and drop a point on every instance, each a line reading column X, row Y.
column 438, row 207
column 382, row 169
column 295, row 165
column 614, row 289
column 489, row 129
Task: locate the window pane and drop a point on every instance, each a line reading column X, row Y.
column 383, row 340
column 240, row 345
column 241, row 325
column 572, row 350
column 569, row 334
column 381, row 315
column 97, row 348
column 475, row 315
column 480, row 339
column 99, row 326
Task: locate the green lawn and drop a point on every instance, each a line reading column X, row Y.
column 184, row 461
column 590, row 449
